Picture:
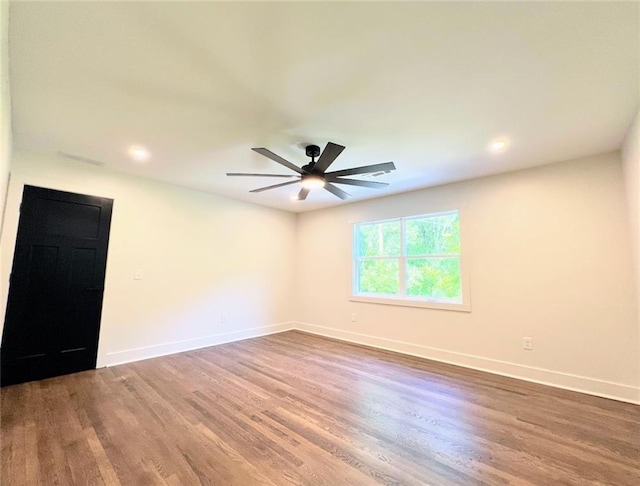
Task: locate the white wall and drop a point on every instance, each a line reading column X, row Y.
column 5, row 106
column 631, row 166
column 5, row 121
column 548, row 256
column 547, row 248
column 203, row 256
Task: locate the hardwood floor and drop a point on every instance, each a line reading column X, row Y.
column 293, row 408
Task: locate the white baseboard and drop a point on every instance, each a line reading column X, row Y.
column 590, row 386
column 582, row 384
column 147, row 352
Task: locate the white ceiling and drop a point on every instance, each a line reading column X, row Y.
column 426, row 85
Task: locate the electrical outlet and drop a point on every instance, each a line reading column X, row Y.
column 224, row 318
column 138, row 274
column 527, row 343
column 354, row 317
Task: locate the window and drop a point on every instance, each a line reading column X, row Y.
column 410, row 261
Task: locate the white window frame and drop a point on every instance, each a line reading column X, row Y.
column 401, row 298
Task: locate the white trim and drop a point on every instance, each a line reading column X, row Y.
column 137, row 354
column 427, row 304
column 567, row 381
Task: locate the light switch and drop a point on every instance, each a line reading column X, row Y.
column 137, row 275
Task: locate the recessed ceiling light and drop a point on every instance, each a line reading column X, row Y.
column 499, row 145
column 139, row 153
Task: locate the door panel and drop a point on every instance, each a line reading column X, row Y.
column 55, row 295
column 67, row 218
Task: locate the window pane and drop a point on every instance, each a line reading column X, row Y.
column 379, row 239
column 436, row 235
column 437, row 278
column 379, row 276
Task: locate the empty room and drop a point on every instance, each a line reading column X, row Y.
column 320, row 243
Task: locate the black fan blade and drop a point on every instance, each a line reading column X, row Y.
column 302, row 195
column 356, row 182
column 275, row 186
column 337, row 191
column 258, row 175
column 366, row 169
column 329, row 154
column 276, row 158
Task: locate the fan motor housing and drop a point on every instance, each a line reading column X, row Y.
column 312, row 151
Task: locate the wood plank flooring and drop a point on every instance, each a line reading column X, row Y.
column 297, row 409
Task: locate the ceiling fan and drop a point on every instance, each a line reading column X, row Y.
column 314, row 174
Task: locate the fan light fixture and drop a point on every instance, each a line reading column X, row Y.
column 312, row 181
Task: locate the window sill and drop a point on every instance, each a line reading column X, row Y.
column 412, row 303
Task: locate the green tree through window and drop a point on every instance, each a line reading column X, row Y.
column 415, row 258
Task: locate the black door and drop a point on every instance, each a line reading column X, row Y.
column 55, row 291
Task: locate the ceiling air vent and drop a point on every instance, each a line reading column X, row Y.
column 79, row 158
